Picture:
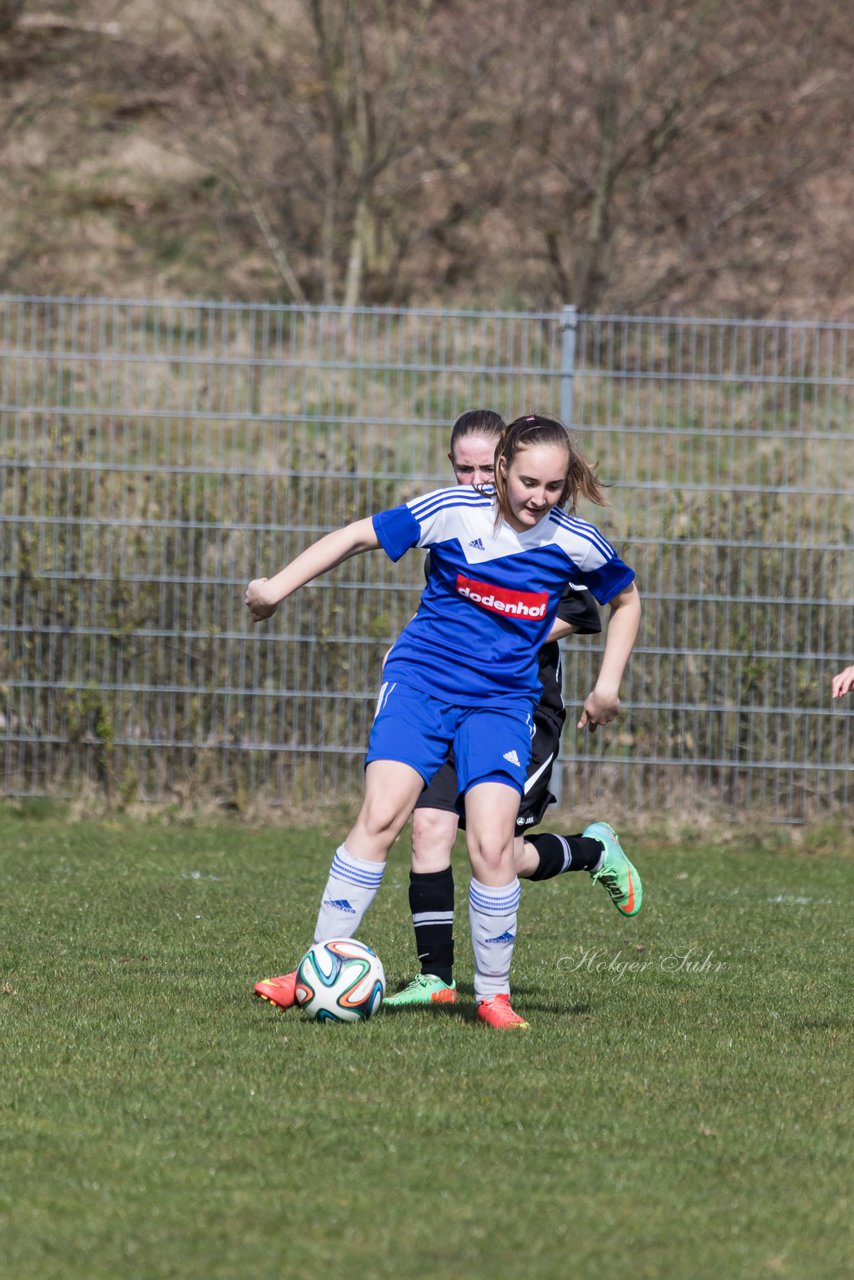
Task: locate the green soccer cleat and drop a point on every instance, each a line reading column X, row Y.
column 424, row 989
column 616, row 873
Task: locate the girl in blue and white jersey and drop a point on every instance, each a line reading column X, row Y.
column 464, row 673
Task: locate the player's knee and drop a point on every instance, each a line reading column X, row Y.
column 433, row 834
column 490, row 852
column 382, row 817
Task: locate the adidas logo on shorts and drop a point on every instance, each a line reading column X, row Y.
column 512, row 757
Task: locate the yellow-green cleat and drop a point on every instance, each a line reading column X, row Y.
column 423, row 989
column 616, row 874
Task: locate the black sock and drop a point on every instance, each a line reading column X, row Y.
column 563, row 853
column 431, row 901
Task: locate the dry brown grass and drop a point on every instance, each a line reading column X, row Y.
column 124, row 172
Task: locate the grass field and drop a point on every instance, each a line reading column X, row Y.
column 680, row 1107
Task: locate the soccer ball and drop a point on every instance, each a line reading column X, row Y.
column 340, row 980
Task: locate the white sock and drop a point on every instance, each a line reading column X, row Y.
column 492, row 920
column 350, row 890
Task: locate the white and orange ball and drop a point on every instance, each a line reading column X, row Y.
column 340, row 980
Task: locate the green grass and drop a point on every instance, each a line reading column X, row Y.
column 656, row 1121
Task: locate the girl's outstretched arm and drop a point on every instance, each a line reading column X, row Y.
column 264, row 595
column 603, row 703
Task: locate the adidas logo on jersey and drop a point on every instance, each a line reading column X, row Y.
column 477, row 544
column 512, row 757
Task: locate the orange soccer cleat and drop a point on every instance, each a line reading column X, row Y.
column 497, row 1013
column 278, row 991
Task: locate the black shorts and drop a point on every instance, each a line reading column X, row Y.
column 442, row 791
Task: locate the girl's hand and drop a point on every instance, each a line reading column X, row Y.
column 257, row 600
column 599, row 708
column 843, row 683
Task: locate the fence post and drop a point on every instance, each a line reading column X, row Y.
column 568, row 325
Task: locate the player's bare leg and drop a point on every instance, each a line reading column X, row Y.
column 391, row 789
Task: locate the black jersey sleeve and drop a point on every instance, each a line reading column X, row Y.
column 579, row 607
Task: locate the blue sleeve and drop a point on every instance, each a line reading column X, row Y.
column 397, row 530
column 609, row 580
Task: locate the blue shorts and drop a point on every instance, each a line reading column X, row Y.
column 490, row 744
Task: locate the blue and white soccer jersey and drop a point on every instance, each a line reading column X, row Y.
column 492, row 594
column 488, row 605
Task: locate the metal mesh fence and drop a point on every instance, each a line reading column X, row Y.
column 732, row 452
column 156, row 455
